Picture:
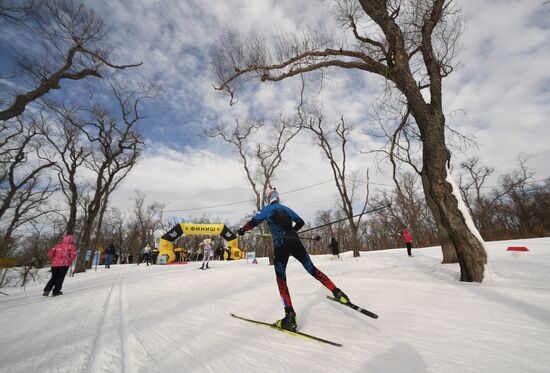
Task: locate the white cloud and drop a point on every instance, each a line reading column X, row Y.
column 500, row 93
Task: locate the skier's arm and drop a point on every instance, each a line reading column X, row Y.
column 299, row 224
column 255, row 221
column 295, row 218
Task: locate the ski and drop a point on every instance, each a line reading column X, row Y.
column 300, row 334
column 357, row 308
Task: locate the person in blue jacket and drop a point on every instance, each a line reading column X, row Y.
column 286, row 241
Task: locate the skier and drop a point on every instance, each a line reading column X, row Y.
column 145, row 254
column 334, row 247
column 408, row 238
column 109, row 253
column 62, row 256
column 286, row 242
column 207, row 252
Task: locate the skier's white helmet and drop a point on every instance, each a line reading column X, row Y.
column 272, row 196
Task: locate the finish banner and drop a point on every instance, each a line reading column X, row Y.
column 167, row 248
column 199, row 229
column 202, row 229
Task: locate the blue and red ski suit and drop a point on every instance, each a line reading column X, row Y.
column 286, row 241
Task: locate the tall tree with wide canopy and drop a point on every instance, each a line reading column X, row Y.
column 69, row 42
column 409, row 43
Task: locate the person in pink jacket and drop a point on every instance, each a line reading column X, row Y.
column 62, row 256
column 408, row 238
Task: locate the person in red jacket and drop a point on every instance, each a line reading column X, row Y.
column 62, row 256
column 408, row 238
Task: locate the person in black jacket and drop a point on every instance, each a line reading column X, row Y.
column 109, row 253
column 334, row 247
column 154, row 255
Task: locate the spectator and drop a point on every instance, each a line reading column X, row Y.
column 62, row 256
column 109, row 253
column 408, row 238
column 154, row 255
column 334, row 247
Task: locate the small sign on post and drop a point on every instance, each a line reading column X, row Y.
column 251, row 255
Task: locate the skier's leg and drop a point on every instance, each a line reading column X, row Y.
column 300, row 253
column 409, row 248
column 281, row 260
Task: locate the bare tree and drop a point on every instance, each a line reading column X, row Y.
column 410, row 44
column 260, row 160
column 334, row 145
column 65, row 135
column 24, row 187
column 515, row 187
column 145, row 220
column 402, row 147
column 73, row 40
column 16, row 11
column 115, row 229
column 117, row 144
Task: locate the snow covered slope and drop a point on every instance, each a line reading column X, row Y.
column 176, row 318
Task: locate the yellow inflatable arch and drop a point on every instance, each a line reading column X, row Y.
column 166, row 246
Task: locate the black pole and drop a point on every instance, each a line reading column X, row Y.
column 339, row 220
column 318, row 238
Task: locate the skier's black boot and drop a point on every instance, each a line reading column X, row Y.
column 202, row 267
column 340, row 296
column 206, row 265
column 289, row 321
column 46, row 293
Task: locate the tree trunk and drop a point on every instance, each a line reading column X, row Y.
column 354, row 239
column 469, row 248
column 73, row 202
column 447, row 247
column 80, row 265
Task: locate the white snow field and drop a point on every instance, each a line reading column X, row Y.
column 175, row 318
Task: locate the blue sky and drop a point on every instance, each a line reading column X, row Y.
column 499, row 92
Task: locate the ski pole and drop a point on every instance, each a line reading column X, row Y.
column 316, row 238
column 339, row 220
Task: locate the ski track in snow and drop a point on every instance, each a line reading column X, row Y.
column 107, row 352
column 176, row 318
